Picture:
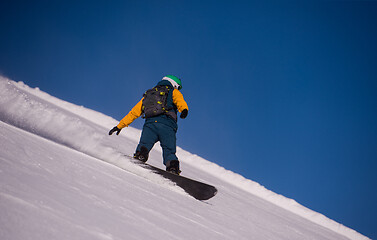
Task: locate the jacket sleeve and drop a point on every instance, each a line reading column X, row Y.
column 179, row 101
column 131, row 116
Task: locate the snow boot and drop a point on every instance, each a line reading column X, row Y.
column 142, row 155
column 173, row 167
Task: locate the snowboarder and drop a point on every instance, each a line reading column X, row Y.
column 159, row 107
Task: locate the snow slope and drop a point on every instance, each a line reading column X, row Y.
column 63, row 177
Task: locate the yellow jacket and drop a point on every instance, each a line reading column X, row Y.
column 136, row 110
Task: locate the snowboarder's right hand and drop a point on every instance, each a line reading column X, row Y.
column 115, row 129
column 184, row 114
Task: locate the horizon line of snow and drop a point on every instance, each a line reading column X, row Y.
column 24, row 107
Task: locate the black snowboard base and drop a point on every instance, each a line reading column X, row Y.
column 198, row 190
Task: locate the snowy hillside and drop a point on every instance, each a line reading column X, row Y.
column 63, row 177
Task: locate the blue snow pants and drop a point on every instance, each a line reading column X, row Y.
column 165, row 134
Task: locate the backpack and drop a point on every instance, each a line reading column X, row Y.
column 155, row 102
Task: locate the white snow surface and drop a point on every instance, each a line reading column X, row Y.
column 63, row 177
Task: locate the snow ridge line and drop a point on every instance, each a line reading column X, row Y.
column 12, row 109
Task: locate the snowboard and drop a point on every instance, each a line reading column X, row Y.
column 196, row 189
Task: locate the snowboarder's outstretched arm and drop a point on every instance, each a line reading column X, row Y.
column 129, row 118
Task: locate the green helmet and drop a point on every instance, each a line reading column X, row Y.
column 175, row 81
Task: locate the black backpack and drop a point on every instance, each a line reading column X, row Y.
column 155, row 102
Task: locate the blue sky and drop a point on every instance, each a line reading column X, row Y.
column 282, row 92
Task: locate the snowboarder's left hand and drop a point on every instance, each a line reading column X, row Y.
column 115, row 129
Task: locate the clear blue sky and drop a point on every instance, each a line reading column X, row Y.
column 283, row 93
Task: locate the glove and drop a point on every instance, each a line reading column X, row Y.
column 184, row 114
column 115, row 129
